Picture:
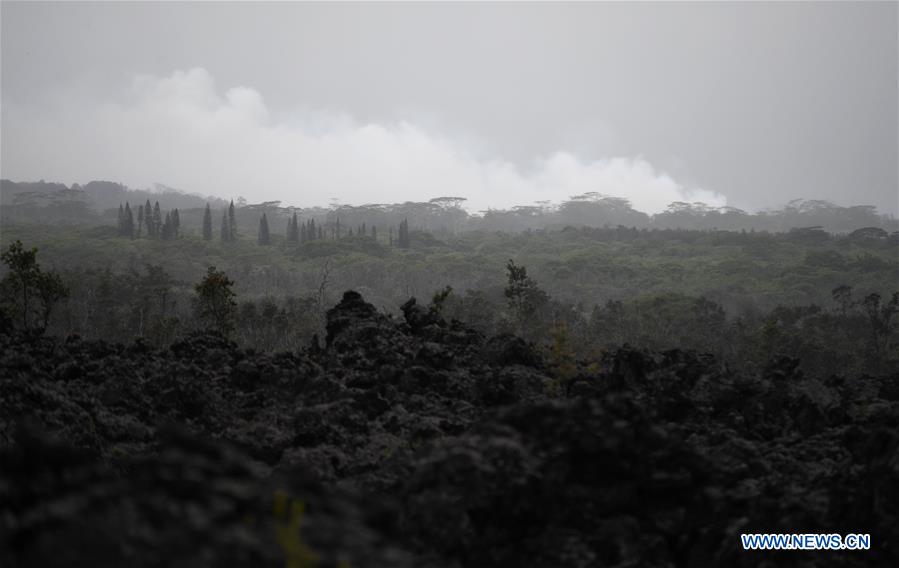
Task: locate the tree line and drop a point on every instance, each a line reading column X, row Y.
column 37, row 202
column 856, row 334
column 301, row 232
column 150, row 221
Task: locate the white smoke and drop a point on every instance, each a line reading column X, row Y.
column 182, row 131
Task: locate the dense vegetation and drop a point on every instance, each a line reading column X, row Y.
column 177, row 387
column 744, row 296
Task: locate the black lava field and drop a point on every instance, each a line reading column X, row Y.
column 417, row 442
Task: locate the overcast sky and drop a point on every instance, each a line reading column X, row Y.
column 748, row 105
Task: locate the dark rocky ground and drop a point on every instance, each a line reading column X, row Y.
column 423, row 444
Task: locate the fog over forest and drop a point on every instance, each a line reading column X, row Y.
column 449, row 285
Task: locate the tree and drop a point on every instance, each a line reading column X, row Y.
column 126, row 221
column 167, row 231
column 232, row 223
column 215, row 301
column 403, row 235
column 207, row 224
column 881, row 317
column 157, row 221
column 128, row 224
column 264, row 236
column 148, row 219
column 323, row 281
column 140, row 219
column 30, row 293
column 439, row 300
column 525, row 298
column 176, row 223
column 293, row 232
column 50, row 291
column 226, row 229
column 842, row 296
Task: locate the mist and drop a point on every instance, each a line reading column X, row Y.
column 186, row 131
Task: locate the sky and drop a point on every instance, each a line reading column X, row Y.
column 742, row 104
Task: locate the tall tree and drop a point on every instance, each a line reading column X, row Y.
column 128, row 222
column 264, row 236
column 140, row 219
column 176, row 223
column 148, row 219
column 157, row 220
column 226, row 229
column 207, row 224
column 121, row 223
column 403, row 237
column 293, row 232
column 232, row 223
column 167, row 231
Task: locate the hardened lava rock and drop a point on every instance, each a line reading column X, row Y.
column 420, row 442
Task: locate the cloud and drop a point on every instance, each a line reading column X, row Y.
column 182, row 131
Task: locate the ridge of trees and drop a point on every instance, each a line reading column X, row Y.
column 364, row 222
column 90, row 204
